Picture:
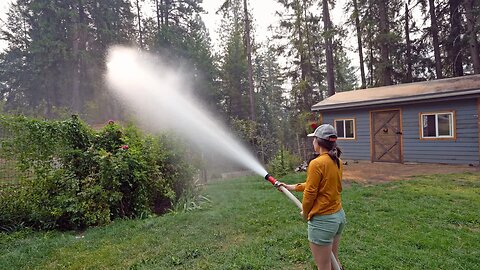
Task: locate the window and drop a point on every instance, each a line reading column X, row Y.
column 437, row 125
column 345, row 128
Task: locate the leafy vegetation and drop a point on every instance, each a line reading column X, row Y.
column 283, row 163
column 429, row 222
column 80, row 177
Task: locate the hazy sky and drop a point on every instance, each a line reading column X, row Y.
column 263, row 12
column 263, row 15
column 4, row 4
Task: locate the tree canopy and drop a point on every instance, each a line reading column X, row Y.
column 55, row 60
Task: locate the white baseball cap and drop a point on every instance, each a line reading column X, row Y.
column 325, row 131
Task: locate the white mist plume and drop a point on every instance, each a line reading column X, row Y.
column 153, row 92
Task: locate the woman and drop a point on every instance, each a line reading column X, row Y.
column 322, row 204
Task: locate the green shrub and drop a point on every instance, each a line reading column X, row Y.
column 14, row 208
column 83, row 177
column 283, row 163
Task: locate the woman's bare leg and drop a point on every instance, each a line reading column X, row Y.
column 336, row 242
column 321, row 255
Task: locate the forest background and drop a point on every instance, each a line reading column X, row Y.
column 53, row 62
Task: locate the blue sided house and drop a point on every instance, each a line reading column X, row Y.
column 427, row 122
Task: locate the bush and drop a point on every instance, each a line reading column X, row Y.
column 83, row 177
column 283, row 163
column 14, row 208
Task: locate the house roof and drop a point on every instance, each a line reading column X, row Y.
column 403, row 93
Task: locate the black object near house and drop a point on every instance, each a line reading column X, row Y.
column 427, row 122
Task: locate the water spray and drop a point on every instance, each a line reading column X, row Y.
column 294, row 199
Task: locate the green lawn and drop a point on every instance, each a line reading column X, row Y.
column 427, row 223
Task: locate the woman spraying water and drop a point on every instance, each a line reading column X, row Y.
column 322, row 204
column 152, row 91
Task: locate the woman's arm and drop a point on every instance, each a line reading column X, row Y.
column 294, row 187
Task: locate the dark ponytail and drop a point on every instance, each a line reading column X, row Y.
column 333, row 150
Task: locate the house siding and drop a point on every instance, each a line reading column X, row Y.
column 358, row 149
column 461, row 150
column 464, row 149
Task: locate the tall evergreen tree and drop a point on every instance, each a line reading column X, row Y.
column 408, row 55
column 384, row 43
column 298, row 35
column 434, row 34
column 138, row 10
column 233, row 60
column 345, row 78
column 328, row 32
column 177, row 33
column 15, row 73
column 270, row 101
column 61, row 51
column 248, row 46
column 247, row 26
column 455, row 39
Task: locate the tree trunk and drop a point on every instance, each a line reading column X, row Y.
column 78, row 48
column 370, row 47
column 157, row 13
column 436, row 44
column 455, row 39
column 385, row 65
column 309, row 44
column 166, row 12
column 319, row 80
column 162, row 12
column 249, row 61
column 372, row 75
column 328, row 48
column 409, row 45
column 359, row 40
column 472, row 21
column 140, row 41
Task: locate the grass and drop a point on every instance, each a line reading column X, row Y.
column 430, row 222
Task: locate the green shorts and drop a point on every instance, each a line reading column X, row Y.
column 323, row 228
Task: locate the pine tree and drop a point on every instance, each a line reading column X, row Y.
column 298, row 32
column 233, row 60
column 270, row 102
column 248, row 46
column 455, row 40
column 328, row 33
column 61, row 48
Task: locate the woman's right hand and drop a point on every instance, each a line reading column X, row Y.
column 288, row 187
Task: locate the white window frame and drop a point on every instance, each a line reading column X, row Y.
column 437, row 136
column 345, row 128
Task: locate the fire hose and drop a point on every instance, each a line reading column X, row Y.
column 294, row 199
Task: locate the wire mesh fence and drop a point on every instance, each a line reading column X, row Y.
column 9, row 172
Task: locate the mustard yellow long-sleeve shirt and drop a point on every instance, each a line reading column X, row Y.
column 321, row 191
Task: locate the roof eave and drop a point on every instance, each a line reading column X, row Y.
column 387, row 101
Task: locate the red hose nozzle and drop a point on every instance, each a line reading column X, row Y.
column 270, row 179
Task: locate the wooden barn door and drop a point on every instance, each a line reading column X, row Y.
column 386, row 136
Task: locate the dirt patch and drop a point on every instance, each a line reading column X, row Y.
column 367, row 172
